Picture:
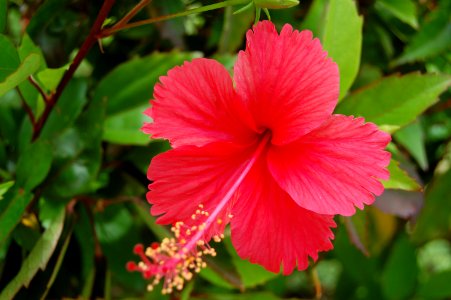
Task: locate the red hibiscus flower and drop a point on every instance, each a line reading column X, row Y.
column 262, row 152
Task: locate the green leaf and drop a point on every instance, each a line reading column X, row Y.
column 12, row 208
column 9, row 60
column 3, row 11
column 131, row 83
column 411, row 137
column 117, row 235
column 313, row 21
column 342, row 38
column 50, row 78
column 38, row 257
column 143, row 211
column 399, row 179
column 437, row 286
column 29, row 65
column 234, row 29
column 246, row 296
column 395, row 101
column 66, row 110
column 213, row 277
column 78, row 154
column 250, row 274
column 435, row 218
column 4, row 187
column 34, row 164
column 432, row 39
column 399, row 277
column 27, row 47
column 404, row 10
column 124, row 128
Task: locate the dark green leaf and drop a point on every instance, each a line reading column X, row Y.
column 131, row 84
column 405, row 10
column 437, row 286
column 9, row 60
column 12, row 208
column 435, row 217
column 78, row 154
column 38, row 257
column 395, row 101
column 342, row 38
column 66, row 110
column 399, row 277
column 34, row 164
column 117, row 235
column 247, row 296
column 433, row 37
column 3, row 11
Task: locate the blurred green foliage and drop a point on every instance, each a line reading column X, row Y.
column 72, row 202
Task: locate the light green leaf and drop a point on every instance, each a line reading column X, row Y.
column 404, row 10
column 124, row 128
column 38, row 257
column 251, row 274
column 411, row 137
column 395, row 101
column 4, row 187
column 399, row 277
column 9, row 60
column 28, row 66
column 51, row 77
column 314, row 19
column 342, row 38
column 34, row 164
column 399, row 179
column 27, row 47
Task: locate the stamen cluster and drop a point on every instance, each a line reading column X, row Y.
column 176, row 259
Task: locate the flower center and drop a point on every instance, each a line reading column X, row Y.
column 176, row 259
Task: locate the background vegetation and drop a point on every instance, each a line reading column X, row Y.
column 73, row 160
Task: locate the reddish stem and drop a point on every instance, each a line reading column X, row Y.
column 38, row 88
column 84, row 49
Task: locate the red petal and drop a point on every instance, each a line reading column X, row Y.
column 334, row 167
column 270, row 229
column 196, row 104
column 290, row 85
column 188, row 176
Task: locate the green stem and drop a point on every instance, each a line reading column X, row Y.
column 109, row 31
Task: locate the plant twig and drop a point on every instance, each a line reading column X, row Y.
column 316, row 283
column 109, row 31
column 38, row 88
column 136, row 9
column 27, row 107
column 84, row 49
